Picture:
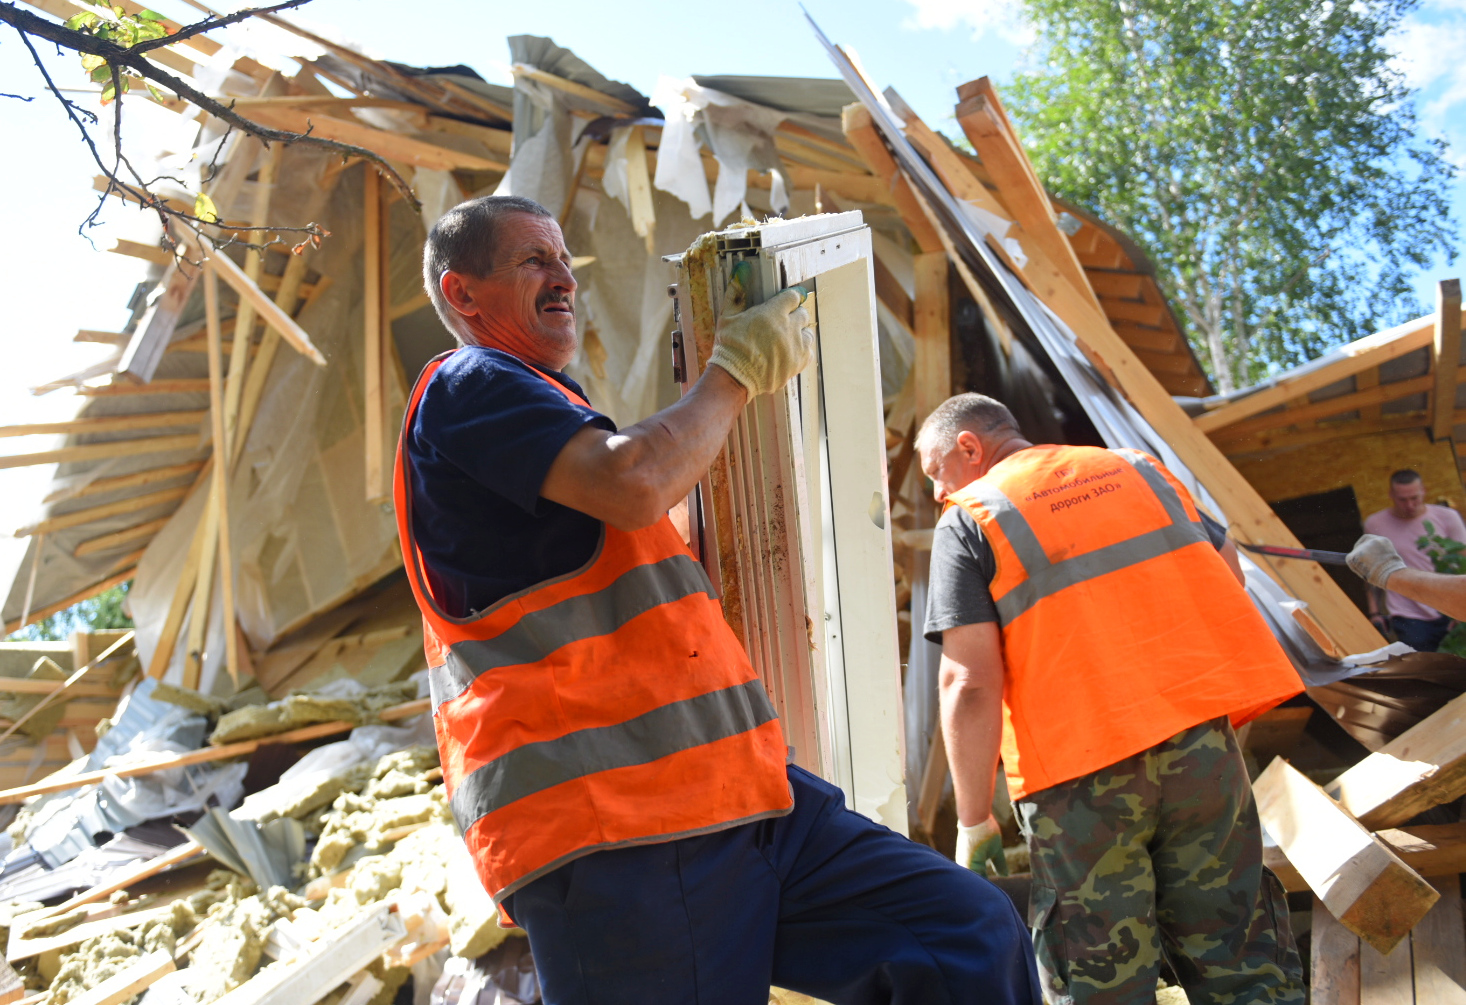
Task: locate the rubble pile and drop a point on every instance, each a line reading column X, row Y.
column 319, row 869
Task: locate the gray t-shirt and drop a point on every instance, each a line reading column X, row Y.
column 959, row 588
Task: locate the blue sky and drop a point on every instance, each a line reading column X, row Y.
column 56, row 283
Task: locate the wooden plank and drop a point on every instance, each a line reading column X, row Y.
column 933, row 782
column 324, row 964
column 1153, row 315
column 1447, row 357
column 220, row 488
column 107, row 424
column 120, row 881
column 392, row 146
column 84, row 516
column 31, row 685
column 1422, row 767
column 1360, row 879
column 1165, row 362
column 244, row 318
column 612, row 105
column 128, row 981
column 1363, row 354
column 1335, row 959
column 20, row 949
column 1386, row 979
column 185, row 385
column 1117, row 285
column 67, row 684
column 178, row 605
column 107, row 542
column 101, row 338
column 85, row 593
column 375, row 273
column 856, row 123
column 12, row 988
column 147, row 252
column 1154, row 339
column 890, row 292
column 1429, row 849
column 639, row 189
column 1438, row 948
column 986, row 128
column 273, row 316
column 1284, row 440
column 1316, row 411
column 220, row 753
column 286, row 298
column 931, row 312
column 101, row 451
column 97, row 486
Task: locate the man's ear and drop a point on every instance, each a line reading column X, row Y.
column 456, row 292
column 970, row 445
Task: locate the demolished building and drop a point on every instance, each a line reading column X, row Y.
column 981, row 282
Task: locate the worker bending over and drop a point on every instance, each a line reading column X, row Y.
column 1375, row 560
column 612, row 758
column 1093, row 637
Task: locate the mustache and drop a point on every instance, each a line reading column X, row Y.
column 545, row 299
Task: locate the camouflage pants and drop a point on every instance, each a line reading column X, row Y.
column 1162, row 849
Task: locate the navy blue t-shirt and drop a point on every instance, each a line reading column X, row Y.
column 486, row 431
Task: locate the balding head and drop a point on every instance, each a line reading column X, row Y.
column 963, row 438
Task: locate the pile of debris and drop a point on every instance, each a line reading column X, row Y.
column 249, row 851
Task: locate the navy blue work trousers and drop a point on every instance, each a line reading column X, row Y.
column 822, row 901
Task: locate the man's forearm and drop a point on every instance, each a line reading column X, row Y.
column 1446, row 594
column 631, row 477
column 972, row 726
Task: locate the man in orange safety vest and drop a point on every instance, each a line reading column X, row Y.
column 1095, row 637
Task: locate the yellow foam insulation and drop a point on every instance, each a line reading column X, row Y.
column 296, row 710
column 44, row 722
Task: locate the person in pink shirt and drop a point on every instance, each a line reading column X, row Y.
column 1416, row 625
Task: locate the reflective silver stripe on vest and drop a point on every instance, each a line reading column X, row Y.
column 650, row 736
column 535, row 636
column 1044, row 578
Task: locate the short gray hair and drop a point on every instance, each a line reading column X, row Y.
column 464, row 240
column 975, row 413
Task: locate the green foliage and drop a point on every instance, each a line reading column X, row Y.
column 102, row 611
column 115, row 25
column 1266, row 156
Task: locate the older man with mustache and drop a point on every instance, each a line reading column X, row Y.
column 613, row 761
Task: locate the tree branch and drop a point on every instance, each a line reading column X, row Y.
column 79, row 41
column 210, row 23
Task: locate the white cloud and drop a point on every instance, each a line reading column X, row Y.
column 1004, row 17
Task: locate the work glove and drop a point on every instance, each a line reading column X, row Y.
column 762, row 347
column 980, row 848
column 1374, row 559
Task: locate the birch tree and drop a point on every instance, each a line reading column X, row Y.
column 1266, row 155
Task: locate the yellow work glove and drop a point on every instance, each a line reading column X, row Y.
column 980, row 848
column 1374, row 560
column 762, row 347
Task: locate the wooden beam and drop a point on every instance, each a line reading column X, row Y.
column 1360, row 879
column 84, row 516
column 1154, row 339
column 612, row 105
column 102, row 451
column 890, row 292
column 1116, row 285
column 98, row 486
column 275, row 317
column 1429, row 849
column 392, row 146
column 34, row 685
column 931, row 312
column 132, row 979
column 117, row 538
column 107, row 424
column 204, row 755
column 1153, row 315
column 186, row 385
column 20, row 948
column 1422, row 767
column 147, row 252
column 1165, row 362
column 856, row 123
column 1438, row 948
column 373, row 301
column 286, row 298
column 1284, row 440
column 1363, row 354
column 86, row 593
column 244, row 316
column 220, row 487
column 1447, row 357
column 986, row 127
column 1320, row 410
column 1335, row 960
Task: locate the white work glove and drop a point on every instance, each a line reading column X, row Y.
column 1374, row 559
column 762, row 347
column 980, row 848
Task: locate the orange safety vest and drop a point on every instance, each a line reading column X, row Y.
column 1121, row 625
column 609, row 707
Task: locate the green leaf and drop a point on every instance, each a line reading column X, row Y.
column 109, row 93
column 90, row 62
column 157, row 94
column 149, row 15
column 82, row 21
column 102, row 74
column 204, row 208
